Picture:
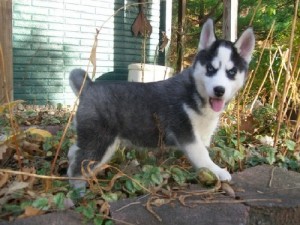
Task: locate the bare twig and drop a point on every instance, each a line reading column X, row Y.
column 272, row 176
column 40, row 176
column 233, row 201
column 130, row 204
column 149, row 208
column 119, row 221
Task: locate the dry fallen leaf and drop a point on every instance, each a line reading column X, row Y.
column 15, row 186
column 31, row 211
column 41, row 134
column 164, row 43
column 141, row 25
column 93, row 58
column 27, row 146
column 160, row 201
column 104, row 209
column 3, row 179
column 3, row 149
column 28, row 179
column 228, row 189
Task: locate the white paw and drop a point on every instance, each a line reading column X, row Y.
column 223, row 174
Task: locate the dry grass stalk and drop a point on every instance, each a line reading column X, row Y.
column 13, row 122
column 238, row 115
column 282, row 66
column 264, row 79
column 250, row 81
column 259, row 62
column 255, row 11
column 287, row 78
column 293, row 85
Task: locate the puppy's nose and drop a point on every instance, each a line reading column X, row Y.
column 219, row 91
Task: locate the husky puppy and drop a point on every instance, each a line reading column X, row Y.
column 187, row 106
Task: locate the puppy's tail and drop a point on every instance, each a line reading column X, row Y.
column 76, row 79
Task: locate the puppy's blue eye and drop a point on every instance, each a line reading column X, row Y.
column 210, row 69
column 231, row 73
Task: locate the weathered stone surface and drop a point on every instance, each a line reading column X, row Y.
column 271, row 184
column 177, row 214
column 266, row 196
column 67, row 217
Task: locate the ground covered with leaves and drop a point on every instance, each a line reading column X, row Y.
column 33, row 158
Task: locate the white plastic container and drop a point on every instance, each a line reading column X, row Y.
column 151, row 72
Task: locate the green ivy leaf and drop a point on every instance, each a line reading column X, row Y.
column 290, row 145
column 147, row 168
column 270, row 153
column 41, row 203
column 58, row 200
column 157, row 178
column 24, row 204
column 48, row 145
column 12, row 208
column 108, row 222
column 178, row 175
column 110, row 197
column 239, row 155
column 137, row 178
column 87, row 211
column 129, row 186
column 98, row 220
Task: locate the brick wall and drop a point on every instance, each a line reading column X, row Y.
column 51, row 37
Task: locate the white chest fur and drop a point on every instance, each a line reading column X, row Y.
column 204, row 124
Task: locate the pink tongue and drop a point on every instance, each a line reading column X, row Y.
column 217, row 104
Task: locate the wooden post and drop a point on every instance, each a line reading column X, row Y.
column 230, row 13
column 180, row 34
column 6, row 69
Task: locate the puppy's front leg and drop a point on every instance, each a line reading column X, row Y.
column 199, row 156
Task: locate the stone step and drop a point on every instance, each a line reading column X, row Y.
column 265, row 196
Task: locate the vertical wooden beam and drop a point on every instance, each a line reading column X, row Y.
column 6, row 71
column 180, row 34
column 166, row 26
column 230, row 13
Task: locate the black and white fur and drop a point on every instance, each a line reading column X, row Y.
column 187, row 106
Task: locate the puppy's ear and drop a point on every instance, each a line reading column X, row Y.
column 245, row 44
column 207, row 36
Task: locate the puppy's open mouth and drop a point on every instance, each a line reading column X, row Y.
column 216, row 104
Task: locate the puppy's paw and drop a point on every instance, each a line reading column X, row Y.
column 223, row 174
column 78, row 185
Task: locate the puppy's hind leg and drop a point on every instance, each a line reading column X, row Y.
column 86, row 159
column 72, row 170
